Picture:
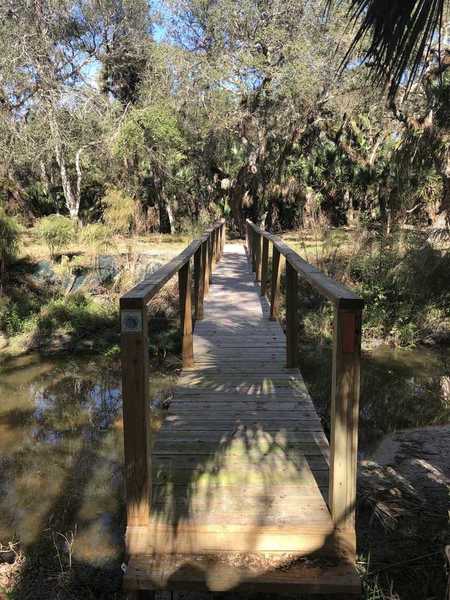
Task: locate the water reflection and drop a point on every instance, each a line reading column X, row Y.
column 400, row 389
column 61, row 454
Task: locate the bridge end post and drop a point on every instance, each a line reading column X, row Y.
column 344, row 416
column 136, row 412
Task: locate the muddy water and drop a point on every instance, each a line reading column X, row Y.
column 61, row 449
column 61, row 455
column 402, row 389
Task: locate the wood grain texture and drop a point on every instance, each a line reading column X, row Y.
column 240, row 462
column 136, row 420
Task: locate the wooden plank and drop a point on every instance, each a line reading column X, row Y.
column 164, row 537
column 198, row 574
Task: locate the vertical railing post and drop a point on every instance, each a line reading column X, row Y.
column 136, row 415
column 198, row 284
column 205, row 274
column 185, row 292
column 217, row 244
column 344, row 415
column 275, row 288
column 291, row 314
column 253, row 247
column 213, row 249
column 224, row 233
column 265, row 265
column 210, row 257
column 258, row 256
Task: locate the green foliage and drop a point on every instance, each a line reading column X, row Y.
column 152, row 130
column 56, row 231
column 9, row 239
column 119, row 211
column 77, row 314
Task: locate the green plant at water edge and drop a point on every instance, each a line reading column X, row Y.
column 77, row 315
column 9, row 240
column 56, row 231
column 119, row 211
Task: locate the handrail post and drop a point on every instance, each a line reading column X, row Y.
column 265, row 265
column 136, row 412
column 213, row 250
column 198, row 284
column 205, row 272
column 258, row 256
column 276, row 278
column 344, row 415
column 217, row 244
column 249, row 243
column 185, row 292
column 210, row 257
column 253, row 246
column 224, row 233
column 291, row 314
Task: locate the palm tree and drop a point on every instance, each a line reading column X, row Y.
column 402, row 34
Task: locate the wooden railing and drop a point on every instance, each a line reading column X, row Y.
column 346, row 356
column 205, row 251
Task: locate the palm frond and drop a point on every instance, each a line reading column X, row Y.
column 401, row 32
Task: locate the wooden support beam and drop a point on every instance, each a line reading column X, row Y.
column 276, row 278
column 185, row 291
column 291, row 315
column 344, row 416
column 265, row 266
column 136, row 417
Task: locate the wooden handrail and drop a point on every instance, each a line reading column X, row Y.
column 205, row 251
column 332, row 290
column 345, row 389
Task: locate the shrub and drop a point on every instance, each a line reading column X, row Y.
column 119, row 211
column 56, row 231
column 9, row 239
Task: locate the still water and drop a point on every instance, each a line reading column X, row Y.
column 61, row 449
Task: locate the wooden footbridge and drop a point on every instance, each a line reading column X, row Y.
column 239, row 488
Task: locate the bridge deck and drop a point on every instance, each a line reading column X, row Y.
column 240, row 464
